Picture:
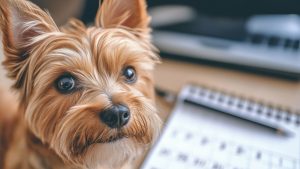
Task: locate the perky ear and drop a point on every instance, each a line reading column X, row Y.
column 21, row 22
column 128, row 13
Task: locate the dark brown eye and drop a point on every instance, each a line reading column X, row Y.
column 65, row 84
column 129, row 74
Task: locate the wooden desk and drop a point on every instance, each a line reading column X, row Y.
column 172, row 75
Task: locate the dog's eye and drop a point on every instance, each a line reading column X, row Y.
column 129, row 74
column 65, row 84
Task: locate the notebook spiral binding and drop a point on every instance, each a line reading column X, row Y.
column 241, row 107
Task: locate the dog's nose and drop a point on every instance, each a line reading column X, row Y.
column 116, row 116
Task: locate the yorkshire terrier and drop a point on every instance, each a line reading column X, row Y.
column 85, row 94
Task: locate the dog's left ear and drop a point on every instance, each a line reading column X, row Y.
column 21, row 23
column 126, row 13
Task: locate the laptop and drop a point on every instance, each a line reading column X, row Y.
column 255, row 35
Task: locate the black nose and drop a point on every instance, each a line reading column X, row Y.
column 116, row 116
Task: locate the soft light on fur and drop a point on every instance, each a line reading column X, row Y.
column 64, row 131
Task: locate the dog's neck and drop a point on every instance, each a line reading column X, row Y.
column 28, row 152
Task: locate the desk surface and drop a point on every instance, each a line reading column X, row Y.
column 172, row 75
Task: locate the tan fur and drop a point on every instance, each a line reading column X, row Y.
column 45, row 129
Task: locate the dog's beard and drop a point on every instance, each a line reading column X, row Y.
column 112, row 155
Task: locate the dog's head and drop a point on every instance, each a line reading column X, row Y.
column 86, row 92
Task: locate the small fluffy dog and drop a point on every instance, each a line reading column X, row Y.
column 86, row 97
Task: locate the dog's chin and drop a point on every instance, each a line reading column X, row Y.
column 113, row 153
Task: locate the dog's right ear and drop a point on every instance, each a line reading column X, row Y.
column 129, row 13
column 21, row 23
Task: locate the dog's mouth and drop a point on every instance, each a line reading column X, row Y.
column 80, row 148
column 116, row 138
column 112, row 139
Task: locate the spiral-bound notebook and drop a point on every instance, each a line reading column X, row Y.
column 213, row 130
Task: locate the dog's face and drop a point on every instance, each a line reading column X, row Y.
column 86, row 92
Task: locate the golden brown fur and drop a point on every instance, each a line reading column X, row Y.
column 45, row 129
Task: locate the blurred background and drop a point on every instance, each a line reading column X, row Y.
column 250, row 34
